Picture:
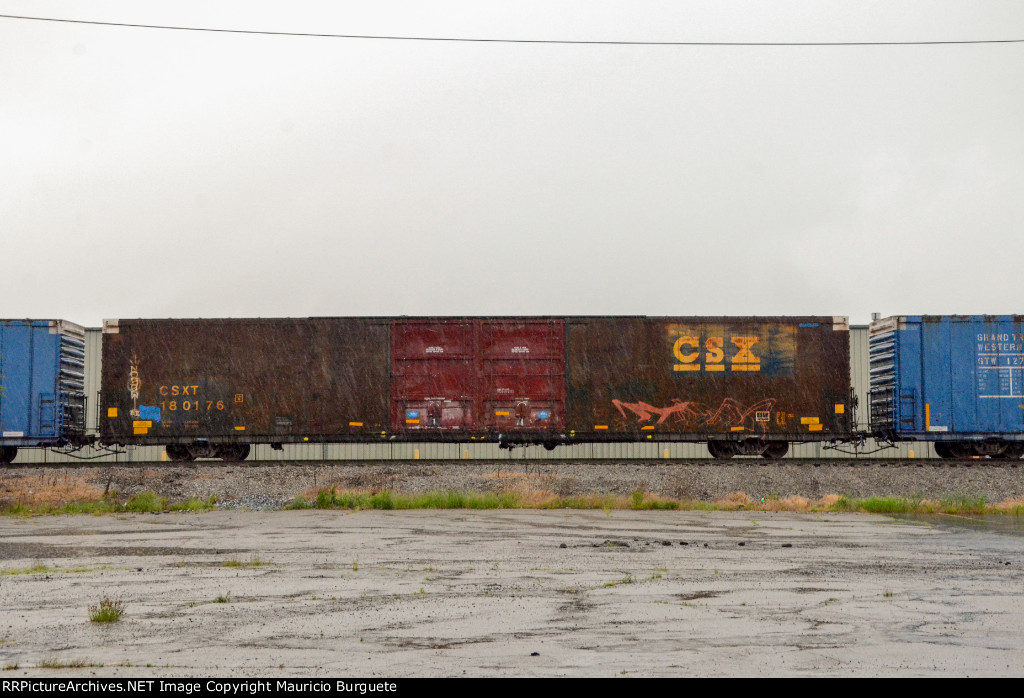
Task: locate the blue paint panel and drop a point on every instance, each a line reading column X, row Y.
column 412, row 414
column 30, row 398
column 960, row 376
column 149, row 412
column 16, row 381
column 543, row 414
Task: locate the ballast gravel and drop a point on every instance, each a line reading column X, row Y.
column 261, row 486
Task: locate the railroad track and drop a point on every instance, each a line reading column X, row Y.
column 537, row 465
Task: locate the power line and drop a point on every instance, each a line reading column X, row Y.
column 383, row 37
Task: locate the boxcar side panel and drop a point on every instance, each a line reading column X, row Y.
column 952, row 377
column 42, row 399
column 668, row 378
column 258, row 380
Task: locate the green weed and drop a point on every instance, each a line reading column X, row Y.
column 36, row 568
column 253, row 561
column 145, row 502
column 54, row 663
column 195, row 504
column 628, row 579
column 110, row 504
column 106, row 611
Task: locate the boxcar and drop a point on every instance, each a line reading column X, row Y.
column 955, row 380
column 210, row 388
column 42, row 385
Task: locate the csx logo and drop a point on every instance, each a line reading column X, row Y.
column 687, row 350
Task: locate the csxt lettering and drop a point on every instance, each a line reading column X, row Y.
column 689, row 352
column 175, row 390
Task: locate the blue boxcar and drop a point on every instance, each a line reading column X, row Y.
column 42, row 385
column 955, row 380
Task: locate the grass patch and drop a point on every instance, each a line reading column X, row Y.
column 225, row 598
column 106, row 611
column 36, row 568
column 1013, row 507
column 961, row 504
column 41, row 568
column 54, row 663
column 109, row 503
column 519, row 498
column 254, row 561
column 628, row 579
column 195, row 504
column 646, row 501
column 145, row 502
column 387, row 500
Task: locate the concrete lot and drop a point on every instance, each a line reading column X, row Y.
column 509, row 592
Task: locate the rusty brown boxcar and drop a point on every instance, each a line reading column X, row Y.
column 210, row 388
column 746, row 385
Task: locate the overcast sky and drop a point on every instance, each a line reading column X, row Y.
column 160, row 173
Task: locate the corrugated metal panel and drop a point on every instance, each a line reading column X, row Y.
column 859, row 377
column 93, row 378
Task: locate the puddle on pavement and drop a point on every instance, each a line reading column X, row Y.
column 993, row 523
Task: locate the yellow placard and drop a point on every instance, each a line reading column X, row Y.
column 355, row 424
column 813, row 427
column 738, row 429
column 502, row 414
column 142, row 423
column 808, row 420
column 600, row 426
column 239, row 428
column 647, row 428
column 141, row 430
column 412, row 421
column 111, row 411
column 840, row 408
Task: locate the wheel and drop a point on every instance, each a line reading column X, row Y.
column 1013, row 450
column 550, row 445
column 234, row 452
column 721, row 449
column 775, row 450
column 178, row 452
column 943, row 449
column 8, row 454
column 962, row 449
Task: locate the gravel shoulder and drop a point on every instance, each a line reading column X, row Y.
column 265, row 485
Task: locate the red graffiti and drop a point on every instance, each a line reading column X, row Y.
column 687, row 411
column 730, row 413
